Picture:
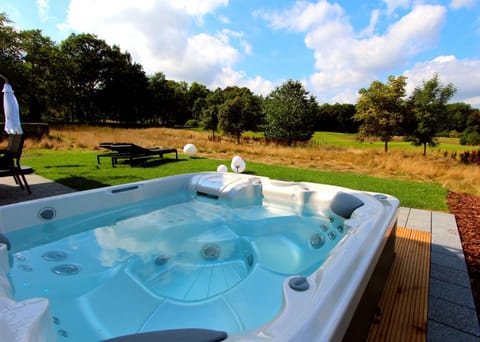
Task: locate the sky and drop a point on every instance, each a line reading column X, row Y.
column 334, row 48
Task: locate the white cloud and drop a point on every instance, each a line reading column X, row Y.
column 260, row 86
column 415, row 32
column 304, row 15
column 368, row 31
column 247, row 47
column 157, row 34
column 197, row 7
column 346, row 60
column 457, row 4
column 464, row 74
column 392, row 5
column 43, row 8
column 224, row 19
column 205, row 57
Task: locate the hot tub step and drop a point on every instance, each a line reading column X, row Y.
column 194, row 283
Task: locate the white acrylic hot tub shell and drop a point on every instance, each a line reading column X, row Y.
column 321, row 313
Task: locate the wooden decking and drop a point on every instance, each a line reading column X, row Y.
column 402, row 312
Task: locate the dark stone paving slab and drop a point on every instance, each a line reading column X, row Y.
column 441, row 332
column 41, row 187
column 452, row 315
column 449, row 274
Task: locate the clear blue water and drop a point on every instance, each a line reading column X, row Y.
column 153, row 265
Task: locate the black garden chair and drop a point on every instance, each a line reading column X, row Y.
column 10, row 161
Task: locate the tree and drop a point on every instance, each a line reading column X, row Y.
column 336, row 118
column 11, row 58
column 123, row 94
column 471, row 135
column 290, row 113
column 180, row 110
column 162, row 95
column 209, row 113
column 197, row 95
column 239, row 112
column 40, row 61
column 85, row 62
column 381, row 109
column 428, row 108
column 457, row 116
column 30, row 62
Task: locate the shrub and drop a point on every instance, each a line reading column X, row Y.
column 470, row 157
column 472, row 138
column 192, row 123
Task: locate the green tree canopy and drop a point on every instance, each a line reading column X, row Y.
column 239, row 112
column 162, row 98
column 458, row 114
column 40, row 66
column 209, row 114
column 290, row 113
column 381, row 109
column 123, row 93
column 31, row 63
column 471, row 135
column 11, row 58
column 428, row 105
column 85, row 61
column 336, row 118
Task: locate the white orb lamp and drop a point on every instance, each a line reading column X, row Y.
column 238, row 164
column 237, row 160
column 222, row 168
column 190, row 150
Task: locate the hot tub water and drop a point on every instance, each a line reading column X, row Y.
column 179, row 258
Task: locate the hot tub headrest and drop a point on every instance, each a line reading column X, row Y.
column 177, row 335
column 344, row 204
column 5, row 241
column 238, row 190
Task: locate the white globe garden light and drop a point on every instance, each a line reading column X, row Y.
column 190, row 149
column 222, row 168
column 238, row 166
column 237, row 160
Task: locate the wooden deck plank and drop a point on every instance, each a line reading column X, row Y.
column 416, row 322
column 412, row 290
column 403, row 305
column 380, row 330
column 399, row 318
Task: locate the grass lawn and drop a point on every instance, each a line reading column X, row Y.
column 80, row 171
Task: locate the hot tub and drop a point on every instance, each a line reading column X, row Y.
column 244, row 257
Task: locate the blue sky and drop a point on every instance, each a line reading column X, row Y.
column 333, row 47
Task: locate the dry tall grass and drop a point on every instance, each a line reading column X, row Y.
column 401, row 164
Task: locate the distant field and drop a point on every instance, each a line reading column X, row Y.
column 350, row 140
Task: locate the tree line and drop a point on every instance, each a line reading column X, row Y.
column 83, row 79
